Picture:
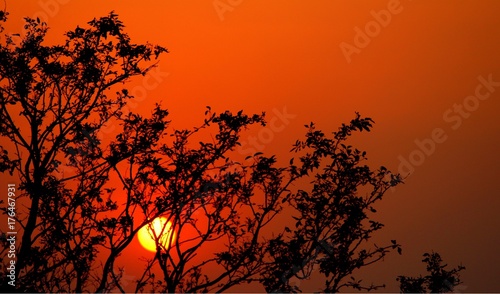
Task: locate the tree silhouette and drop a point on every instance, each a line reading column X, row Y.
column 75, row 226
column 61, row 95
column 332, row 222
column 438, row 280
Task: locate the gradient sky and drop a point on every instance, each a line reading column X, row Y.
column 411, row 74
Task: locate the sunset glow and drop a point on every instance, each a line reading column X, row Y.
column 160, row 228
column 78, row 177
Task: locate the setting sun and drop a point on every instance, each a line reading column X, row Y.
column 160, row 228
column 312, row 146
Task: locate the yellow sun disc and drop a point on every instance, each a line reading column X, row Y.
column 159, row 229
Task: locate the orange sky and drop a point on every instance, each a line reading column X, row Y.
column 410, row 74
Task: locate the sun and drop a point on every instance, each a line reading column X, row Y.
column 159, row 228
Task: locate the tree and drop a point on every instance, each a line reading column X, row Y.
column 438, row 279
column 61, row 95
column 332, row 220
column 75, row 226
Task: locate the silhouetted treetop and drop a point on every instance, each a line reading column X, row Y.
column 438, row 279
column 86, row 193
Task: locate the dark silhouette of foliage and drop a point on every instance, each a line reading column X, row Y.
column 53, row 101
column 76, row 226
column 332, row 220
column 438, row 279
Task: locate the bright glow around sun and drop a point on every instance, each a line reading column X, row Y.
column 160, row 228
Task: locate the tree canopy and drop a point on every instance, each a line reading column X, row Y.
column 74, row 226
column 438, row 279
